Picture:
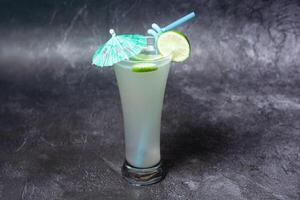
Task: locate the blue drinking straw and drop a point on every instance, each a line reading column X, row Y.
column 156, row 30
column 142, row 148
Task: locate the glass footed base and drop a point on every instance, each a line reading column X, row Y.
column 143, row 176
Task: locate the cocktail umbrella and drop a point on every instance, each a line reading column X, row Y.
column 118, row 48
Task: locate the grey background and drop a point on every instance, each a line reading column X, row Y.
column 230, row 125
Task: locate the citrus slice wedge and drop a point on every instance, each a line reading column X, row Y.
column 174, row 43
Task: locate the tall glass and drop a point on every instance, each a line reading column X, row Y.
column 142, row 95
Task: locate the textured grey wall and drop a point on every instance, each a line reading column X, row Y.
column 230, row 126
column 230, row 39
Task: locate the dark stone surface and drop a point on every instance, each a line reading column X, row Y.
column 230, row 126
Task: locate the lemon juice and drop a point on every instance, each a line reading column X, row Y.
column 142, row 81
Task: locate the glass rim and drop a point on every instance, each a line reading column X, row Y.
column 165, row 58
column 130, row 63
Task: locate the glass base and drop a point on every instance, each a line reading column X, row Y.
column 143, row 176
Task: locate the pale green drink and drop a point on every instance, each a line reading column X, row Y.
column 142, row 95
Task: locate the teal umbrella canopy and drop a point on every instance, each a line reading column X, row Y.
column 118, row 48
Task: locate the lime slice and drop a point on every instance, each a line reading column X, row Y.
column 174, row 43
column 144, row 67
column 145, row 57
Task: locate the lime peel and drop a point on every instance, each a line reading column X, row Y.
column 144, row 67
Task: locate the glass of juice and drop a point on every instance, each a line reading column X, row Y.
column 142, row 81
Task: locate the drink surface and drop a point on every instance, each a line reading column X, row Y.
column 142, row 97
